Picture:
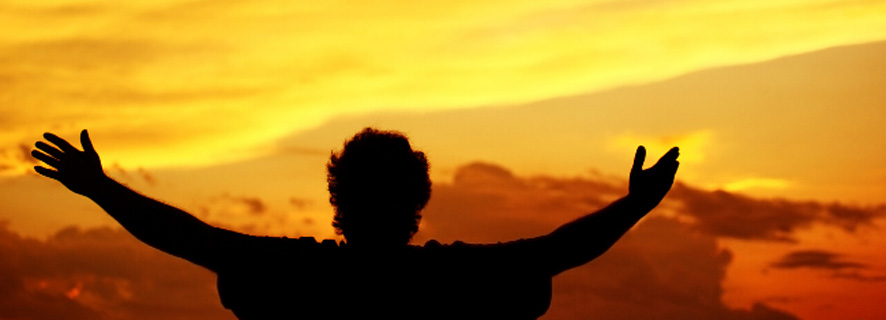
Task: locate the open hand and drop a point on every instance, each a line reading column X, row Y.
column 79, row 171
column 651, row 185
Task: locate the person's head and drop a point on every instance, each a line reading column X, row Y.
column 378, row 186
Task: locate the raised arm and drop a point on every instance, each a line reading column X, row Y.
column 159, row 225
column 582, row 240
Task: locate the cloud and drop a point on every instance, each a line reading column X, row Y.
column 53, row 13
column 663, row 266
column 147, row 176
column 737, row 216
column 671, row 267
column 299, row 203
column 255, row 205
column 666, row 265
column 100, row 274
column 66, row 83
column 854, row 275
column 126, row 175
column 165, row 67
column 488, row 191
column 815, row 259
column 16, row 158
column 227, row 205
column 483, row 196
column 839, row 267
column 260, row 214
column 669, row 264
column 24, row 154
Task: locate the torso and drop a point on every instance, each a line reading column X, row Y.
column 299, row 278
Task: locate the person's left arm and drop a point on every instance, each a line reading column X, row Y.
column 580, row 241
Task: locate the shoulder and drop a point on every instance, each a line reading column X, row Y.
column 520, row 244
column 248, row 251
column 262, row 243
column 530, row 253
column 491, row 252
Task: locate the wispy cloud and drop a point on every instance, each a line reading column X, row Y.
column 837, row 264
column 816, row 259
column 855, row 275
column 183, row 72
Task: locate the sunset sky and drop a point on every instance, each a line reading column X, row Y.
column 529, row 112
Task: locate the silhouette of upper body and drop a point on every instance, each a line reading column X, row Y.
column 378, row 186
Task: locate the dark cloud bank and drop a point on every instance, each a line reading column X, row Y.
column 666, row 268
column 99, row 274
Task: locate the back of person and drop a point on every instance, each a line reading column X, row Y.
column 378, row 186
column 327, row 281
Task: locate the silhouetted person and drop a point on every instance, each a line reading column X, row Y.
column 378, row 186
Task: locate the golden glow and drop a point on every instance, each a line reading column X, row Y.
column 174, row 75
column 751, row 183
column 692, row 145
column 197, row 92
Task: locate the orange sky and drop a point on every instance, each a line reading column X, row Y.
column 229, row 110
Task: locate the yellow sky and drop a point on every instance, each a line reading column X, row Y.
column 212, row 81
column 197, row 92
column 171, row 84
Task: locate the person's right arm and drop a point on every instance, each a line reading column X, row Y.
column 157, row 224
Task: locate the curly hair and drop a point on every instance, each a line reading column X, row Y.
column 378, row 186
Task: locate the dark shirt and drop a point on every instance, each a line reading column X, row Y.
column 280, row 278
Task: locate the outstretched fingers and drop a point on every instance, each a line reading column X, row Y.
column 61, row 143
column 672, row 154
column 50, row 150
column 669, row 158
column 668, row 164
column 49, row 173
column 53, row 162
column 53, row 156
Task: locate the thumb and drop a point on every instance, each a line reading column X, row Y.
column 87, row 144
column 639, row 158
